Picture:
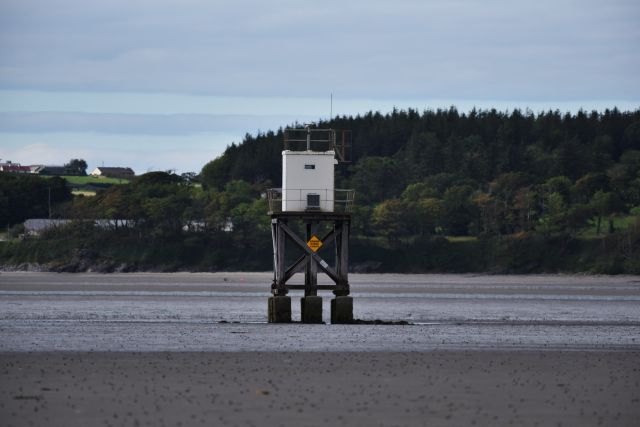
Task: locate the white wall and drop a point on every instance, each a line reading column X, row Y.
column 297, row 181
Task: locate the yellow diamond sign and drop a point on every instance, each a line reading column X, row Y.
column 314, row 243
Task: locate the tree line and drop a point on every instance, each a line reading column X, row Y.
column 482, row 173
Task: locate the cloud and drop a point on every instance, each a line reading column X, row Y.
column 495, row 49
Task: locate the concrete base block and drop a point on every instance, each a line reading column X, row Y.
column 279, row 310
column 311, row 309
column 342, row 310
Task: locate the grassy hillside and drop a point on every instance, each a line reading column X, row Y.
column 84, row 180
column 88, row 185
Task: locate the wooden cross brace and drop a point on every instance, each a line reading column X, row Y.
column 309, row 254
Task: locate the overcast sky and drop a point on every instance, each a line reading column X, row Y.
column 156, row 84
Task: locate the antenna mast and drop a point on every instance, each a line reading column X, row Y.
column 331, row 110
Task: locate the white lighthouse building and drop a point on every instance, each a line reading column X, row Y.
column 308, row 167
column 308, row 181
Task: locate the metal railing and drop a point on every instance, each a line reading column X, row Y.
column 338, row 140
column 342, row 199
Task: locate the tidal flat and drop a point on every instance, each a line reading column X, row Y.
column 195, row 349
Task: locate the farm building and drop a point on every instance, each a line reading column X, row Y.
column 110, row 172
column 49, row 170
column 14, row 168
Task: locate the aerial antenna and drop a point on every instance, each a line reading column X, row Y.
column 331, row 110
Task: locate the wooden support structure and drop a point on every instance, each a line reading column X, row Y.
column 311, row 261
column 310, row 216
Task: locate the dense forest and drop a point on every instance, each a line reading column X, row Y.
column 435, row 191
column 477, row 174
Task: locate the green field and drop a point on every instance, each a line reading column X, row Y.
column 87, row 185
column 84, row 180
column 88, row 180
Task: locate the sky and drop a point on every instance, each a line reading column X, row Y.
column 168, row 85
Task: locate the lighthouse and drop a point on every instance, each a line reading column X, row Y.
column 309, row 202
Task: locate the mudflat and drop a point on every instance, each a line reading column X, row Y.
column 195, row 349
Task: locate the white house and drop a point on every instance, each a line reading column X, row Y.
column 111, row 172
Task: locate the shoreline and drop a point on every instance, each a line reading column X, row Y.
column 44, row 268
column 322, row 278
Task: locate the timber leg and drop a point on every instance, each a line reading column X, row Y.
column 279, row 286
column 342, row 259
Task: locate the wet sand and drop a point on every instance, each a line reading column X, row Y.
column 522, row 388
column 240, row 297
column 194, row 349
